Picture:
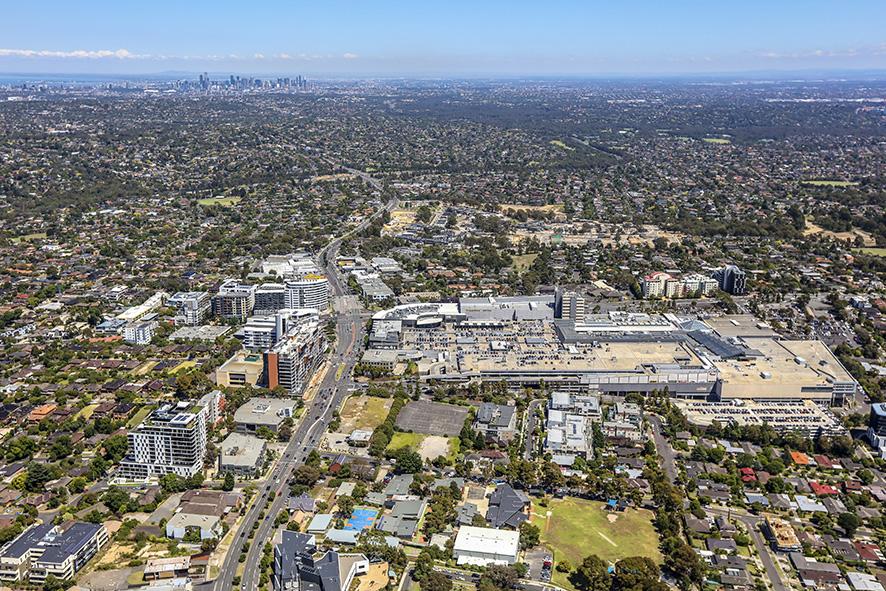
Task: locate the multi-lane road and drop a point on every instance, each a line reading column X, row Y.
column 330, row 395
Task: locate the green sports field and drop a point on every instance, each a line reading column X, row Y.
column 574, row 528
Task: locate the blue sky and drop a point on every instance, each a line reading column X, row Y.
column 480, row 37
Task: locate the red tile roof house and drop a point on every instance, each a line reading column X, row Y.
column 822, row 490
column 747, row 475
column 823, row 461
column 869, row 552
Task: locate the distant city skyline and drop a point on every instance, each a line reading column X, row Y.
column 353, row 38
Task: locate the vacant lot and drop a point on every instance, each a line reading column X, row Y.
column 364, row 412
column 717, row 140
column 866, row 237
column 574, row 528
column 523, row 261
column 878, row 252
column 432, row 418
column 428, row 447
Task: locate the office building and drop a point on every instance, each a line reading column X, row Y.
column 172, row 440
column 243, row 455
column 191, row 307
column 47, row 549
column 269, row 298
column 482, row 546
column 298, row 568
column 308, row 291
column 292, row 361
column 731, row 279
column 234, row 300
column 257, row 412
column 244, row 368
column 139, row 333
column 569, row 304
column 496, row 422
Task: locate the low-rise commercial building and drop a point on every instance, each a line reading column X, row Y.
column 260, row 412
column 482, row 546
column 243, row 455
column 244, row 368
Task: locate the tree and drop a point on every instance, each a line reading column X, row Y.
column 37, row 476
column 849, row 522
column 591, row 575
column 306, row 475
column 424, row 566
column 634, row 573
column 115, row 447
column 530, row 535
column 408, row 461
column 228, row 484
column 346, row 504
column 436, row 582
column 498, row 577
column 116, row 499
column 685, row 564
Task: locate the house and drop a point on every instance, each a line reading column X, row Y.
column 813, row 573
column 482, row 546
column 496, row 422
column 403, row 519
column 507, row 507
column 863, row 582
column 167, row 568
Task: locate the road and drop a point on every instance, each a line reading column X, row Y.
column 317, row 416
column 669, row 461
column 752, row 523
column 529, row 427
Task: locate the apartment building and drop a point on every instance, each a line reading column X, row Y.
column 664, row 285
column 140, row 333
column 731, row 279
column 269, row 298
column 234, row 300
column 308, row 291
column 47, row 549
column 263, row 332
column 570, row 304
column 191, row 307
column 292, row 361
column 171, row 440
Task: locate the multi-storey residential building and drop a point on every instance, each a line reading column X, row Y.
column 171, row 440
column 877, row 427
column 731, row 279
column 192, row 307
column 308, row 291
column 234, row 300
column 496, row 421
column 584, row 405
column 269, row 298
column 47, row 549
column 296, row 568
column 659, row 284
column 139, row 333
column 294, row 358
column 263, row 332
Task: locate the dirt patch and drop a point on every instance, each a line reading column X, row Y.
column 433, row 446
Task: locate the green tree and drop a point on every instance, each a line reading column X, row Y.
column 530, row 535
column 228, row 484
column 634, row 573
column 849, row 522
column 591, row 575
column 408, row 461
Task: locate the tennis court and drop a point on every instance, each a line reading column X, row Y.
column 361, row 519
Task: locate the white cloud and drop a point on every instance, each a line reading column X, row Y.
column 76, row 54
column 350, row 56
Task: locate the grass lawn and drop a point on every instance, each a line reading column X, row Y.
column 182, row 367
column 717, row 140
column 410, row 440
column 523, row 261
column 223, row 201
column 29, row 237
column 139, row 416
column 86, row 412
column 364, row 412
column 576, row 528
column 829, row 183
column 562, row 144
column 878, row 252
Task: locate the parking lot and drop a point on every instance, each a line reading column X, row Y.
column 432, row 418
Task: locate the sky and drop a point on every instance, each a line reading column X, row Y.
column 425, row 38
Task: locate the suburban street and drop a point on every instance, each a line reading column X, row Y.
column 664, row 448
column 752, row 523
column 331, row 393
